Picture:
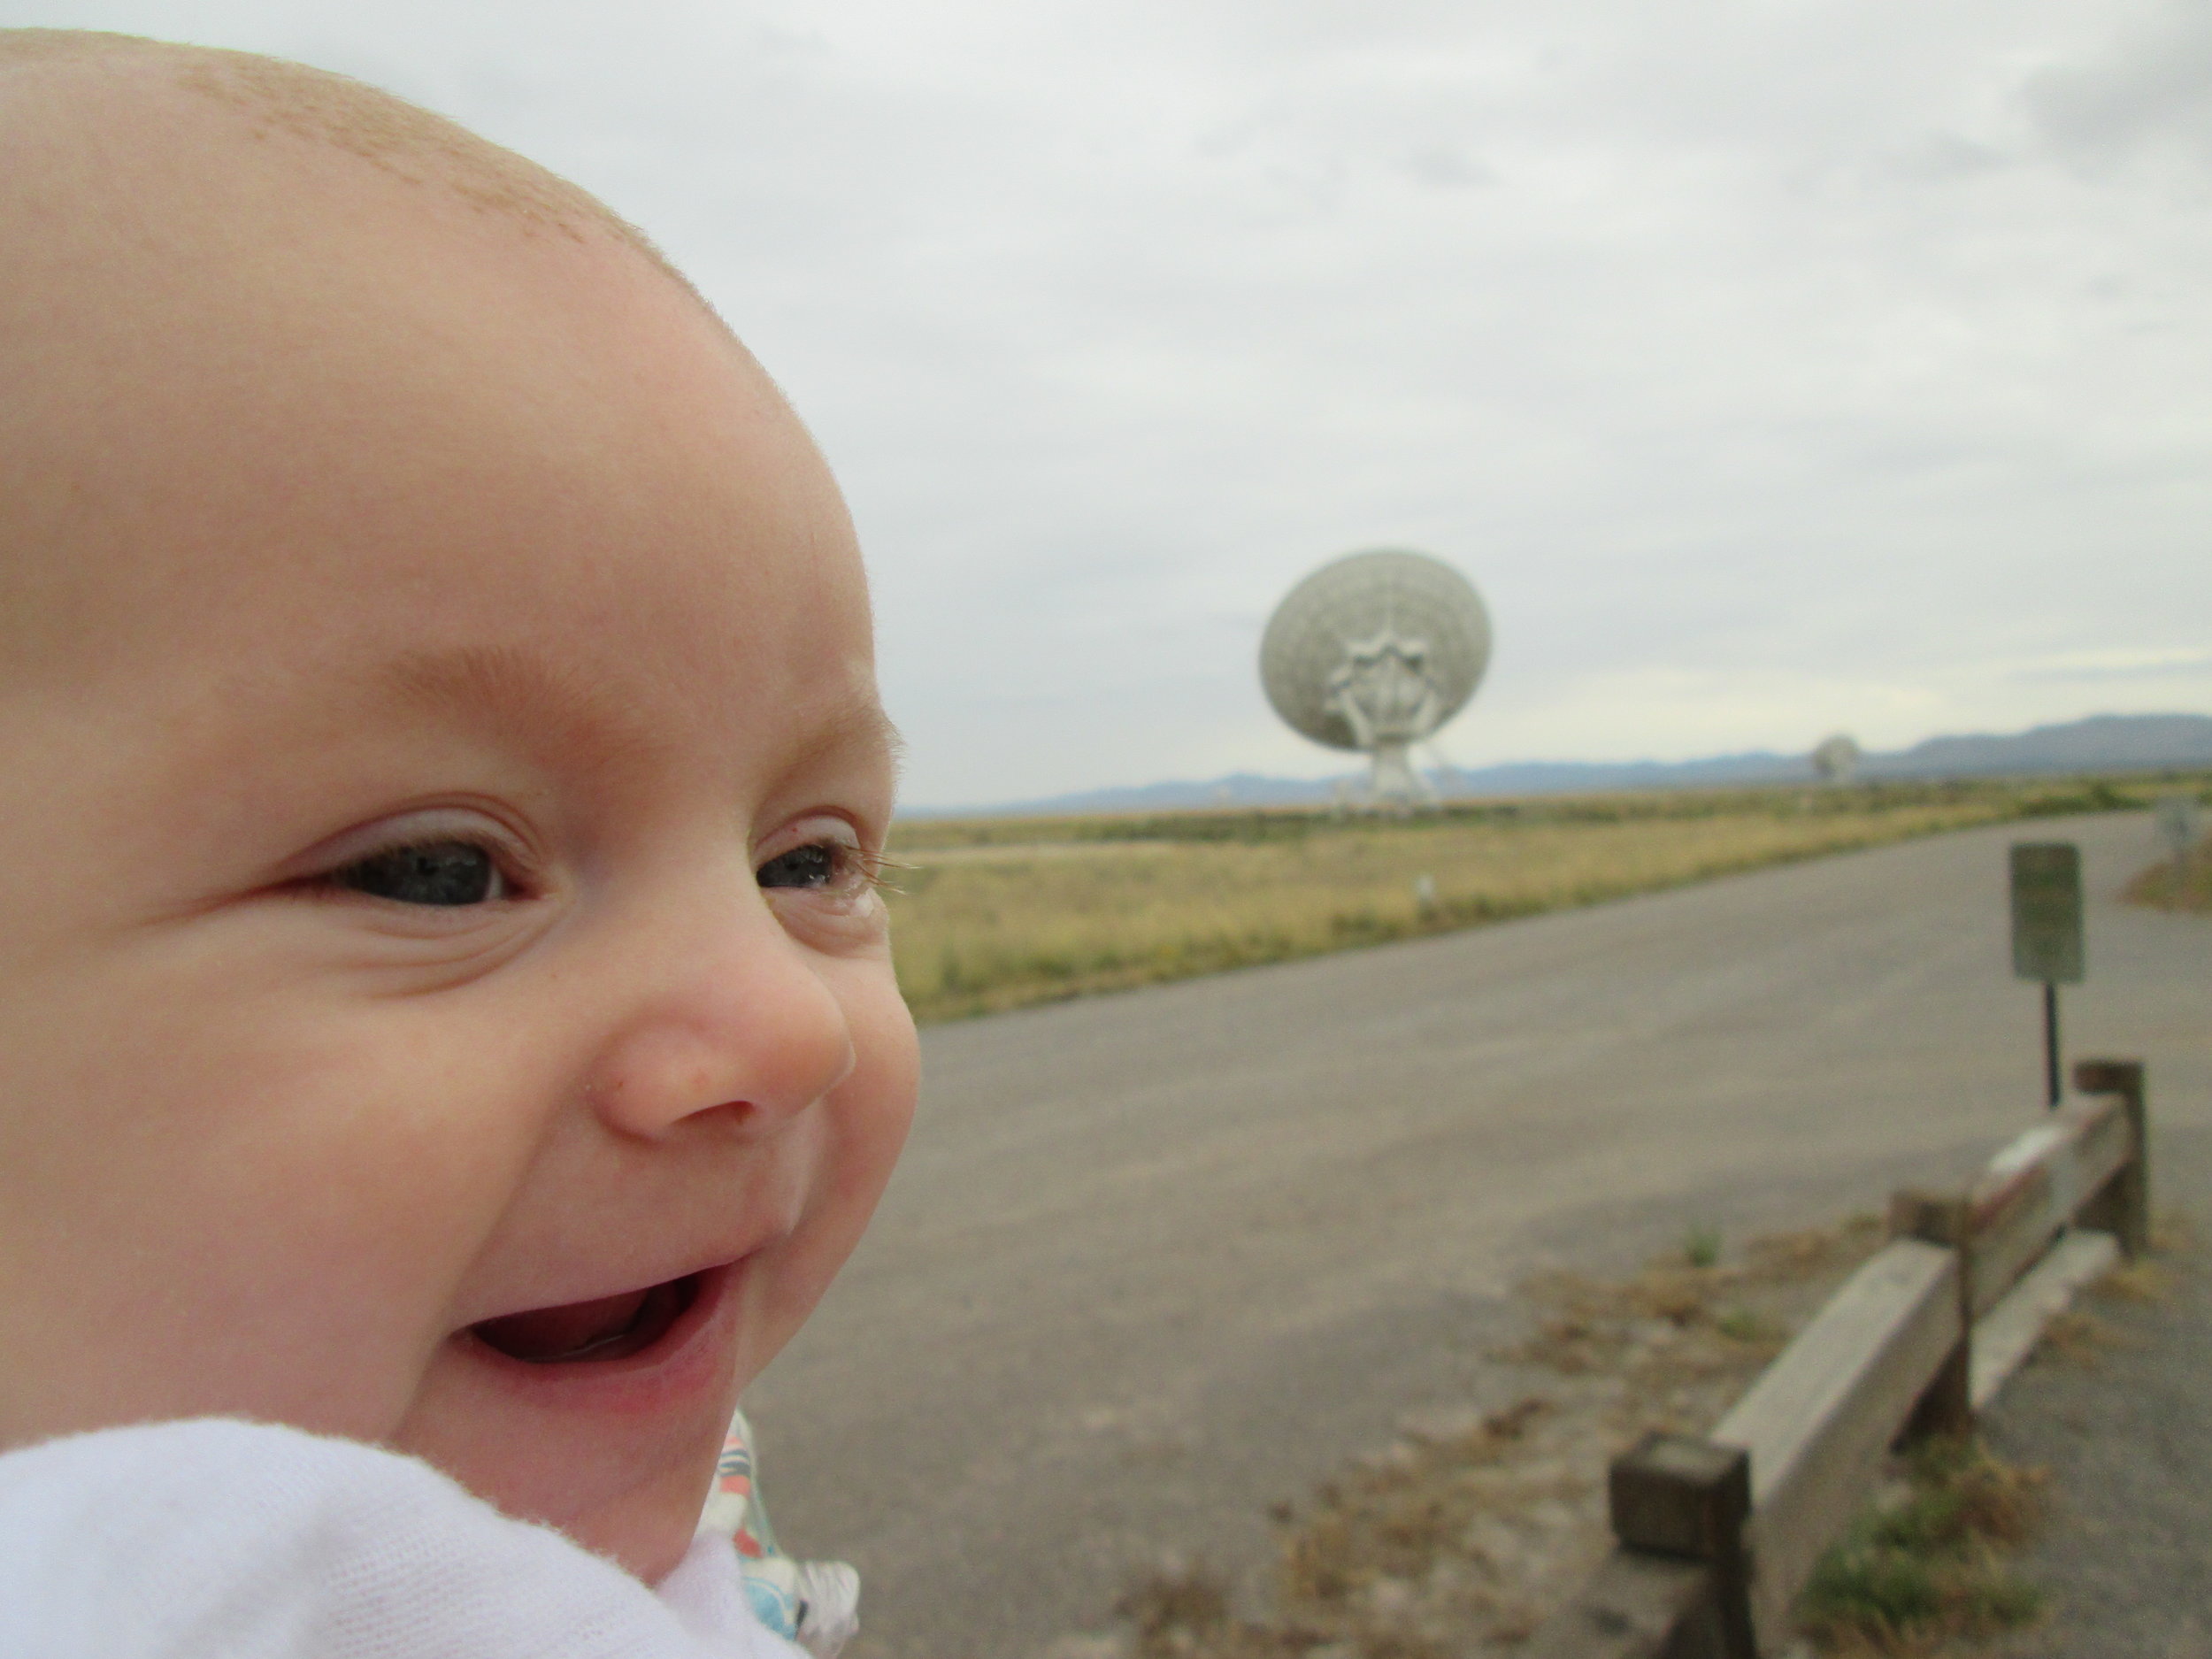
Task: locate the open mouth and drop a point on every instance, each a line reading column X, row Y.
column 605, row 1328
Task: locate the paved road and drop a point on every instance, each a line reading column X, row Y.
column 1157, row 1259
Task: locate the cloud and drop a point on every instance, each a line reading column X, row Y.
column 2184, row 667
column 1773, row 369
column 2147, row 93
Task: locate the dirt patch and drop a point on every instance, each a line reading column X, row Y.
column 2085, row 1333
column 1459, row 1536
column 1465, row 1532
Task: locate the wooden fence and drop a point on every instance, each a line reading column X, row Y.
column 1716, row 1536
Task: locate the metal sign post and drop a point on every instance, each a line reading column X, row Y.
column 2047, row 943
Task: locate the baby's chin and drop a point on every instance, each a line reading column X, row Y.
column 612, row 1442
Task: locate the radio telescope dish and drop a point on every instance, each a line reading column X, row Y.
column 1374, row 652
column 1836, row 759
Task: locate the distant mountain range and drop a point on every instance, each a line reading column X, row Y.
column 2101, row 744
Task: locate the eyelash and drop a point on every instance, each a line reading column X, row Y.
column 505, row 875
column 852, row 869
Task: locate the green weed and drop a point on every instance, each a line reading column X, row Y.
column 1931, row 1565
column 1700, row 1245
column 1743, row 1324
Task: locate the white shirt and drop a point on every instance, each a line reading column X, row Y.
column 219, row 1539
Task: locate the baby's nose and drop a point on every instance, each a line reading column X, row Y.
column 746, row 1025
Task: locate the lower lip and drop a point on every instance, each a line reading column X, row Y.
column 691, row 1357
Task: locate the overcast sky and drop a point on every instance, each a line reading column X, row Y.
column 1774, row 367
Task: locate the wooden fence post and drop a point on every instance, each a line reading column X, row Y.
column 2122, row 1206
column 1946, row 1405
column 1671, row 1495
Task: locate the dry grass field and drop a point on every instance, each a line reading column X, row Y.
column 2163, row 886
column 996, row 913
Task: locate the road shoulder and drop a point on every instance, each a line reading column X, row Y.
column 2114, row 1407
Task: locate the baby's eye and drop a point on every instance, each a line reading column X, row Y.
column 817, row 864
column 429, row 872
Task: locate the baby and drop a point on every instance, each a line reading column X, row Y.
column 445, row 1007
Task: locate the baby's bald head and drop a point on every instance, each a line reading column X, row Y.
column 215, row 266
column 45, row 71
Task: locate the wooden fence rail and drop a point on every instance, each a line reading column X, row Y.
column 1716, row 1536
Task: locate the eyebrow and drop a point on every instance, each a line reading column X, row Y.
column 522, row 690
column 536, row 697
column 857, row 722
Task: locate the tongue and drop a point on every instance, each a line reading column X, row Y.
column 545, row 1335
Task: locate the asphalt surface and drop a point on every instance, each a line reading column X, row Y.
column 1155, row 1260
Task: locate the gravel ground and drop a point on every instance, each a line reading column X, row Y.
column 2120, row 1411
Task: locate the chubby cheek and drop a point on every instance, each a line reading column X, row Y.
column 863, row 1129
column 237, row 1224
column 624, row 1469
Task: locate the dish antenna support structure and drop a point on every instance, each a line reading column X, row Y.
column 1836, row 759
column 1374, row 652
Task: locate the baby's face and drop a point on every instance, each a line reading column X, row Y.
column 442, row 1000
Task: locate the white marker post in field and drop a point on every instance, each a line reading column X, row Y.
column 2178, row 825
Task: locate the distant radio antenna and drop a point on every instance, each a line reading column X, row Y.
column 1374, row 652
column 1836, row 759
